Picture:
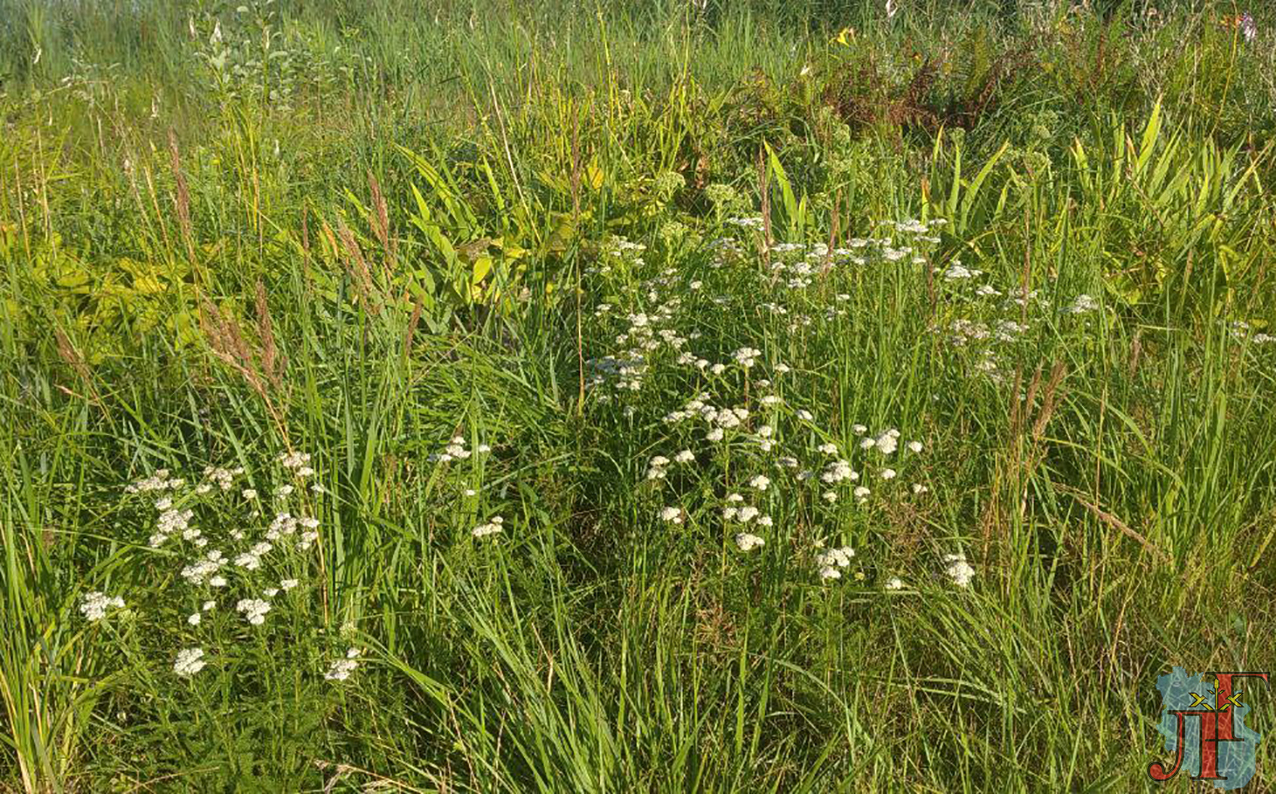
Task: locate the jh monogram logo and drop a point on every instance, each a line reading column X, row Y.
column 1204, row 726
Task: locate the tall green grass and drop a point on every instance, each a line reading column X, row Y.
column 406, row 242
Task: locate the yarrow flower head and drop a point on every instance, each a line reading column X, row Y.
column 158, row 481
column 1083, row 304
column 837, row 471
column 254, row 610
column 224, row 478
column 490, row 528
column 830, row 563
column 173, row 522
column 958, row 569
column 456, row 450
column 189, row 662
column 887, row 442
column 748, row 542
column 95, row 604
column 746, row 356
column 656, row 468
column 341, row 669
column 294, row 460
column 959, row 271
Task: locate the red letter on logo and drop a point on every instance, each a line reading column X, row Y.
column 1157, row 769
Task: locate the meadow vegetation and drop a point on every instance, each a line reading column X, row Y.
column 629, row 396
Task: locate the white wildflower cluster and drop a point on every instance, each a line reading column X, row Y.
column 251, row 559
column 286, row 525
column 726, row 250
column 692, row 408
column 832, row 562
column 1083, row 304
column 737, row 510
column 924, row 229
column 795, row 264
column 189, row 662
column 723, row 419
column 618, row 252
column 159, row 481
column 340, row 669
column 253, row 609
column 965, row 332
column 646, row 338
column 744, row 513
column 95, row 604
column 720, row 420
column 219, row 477
column 751, row 222
column 651, row 331
column 958, row 569
column 764, row 436
column 246, row 549
column 838, row 471
column 958, row 272
column 740, row 422
column 627, row 373
column 886, row 442
column 456, row 449
column 656, row 468
column 204, row 570
column 746, row 357
column 987, row 321
column 172, row 522
column 297, row 462
column 1242, row 331
column 310, row 535
column 495, row 526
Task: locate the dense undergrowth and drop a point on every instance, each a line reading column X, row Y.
column 621, row 397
